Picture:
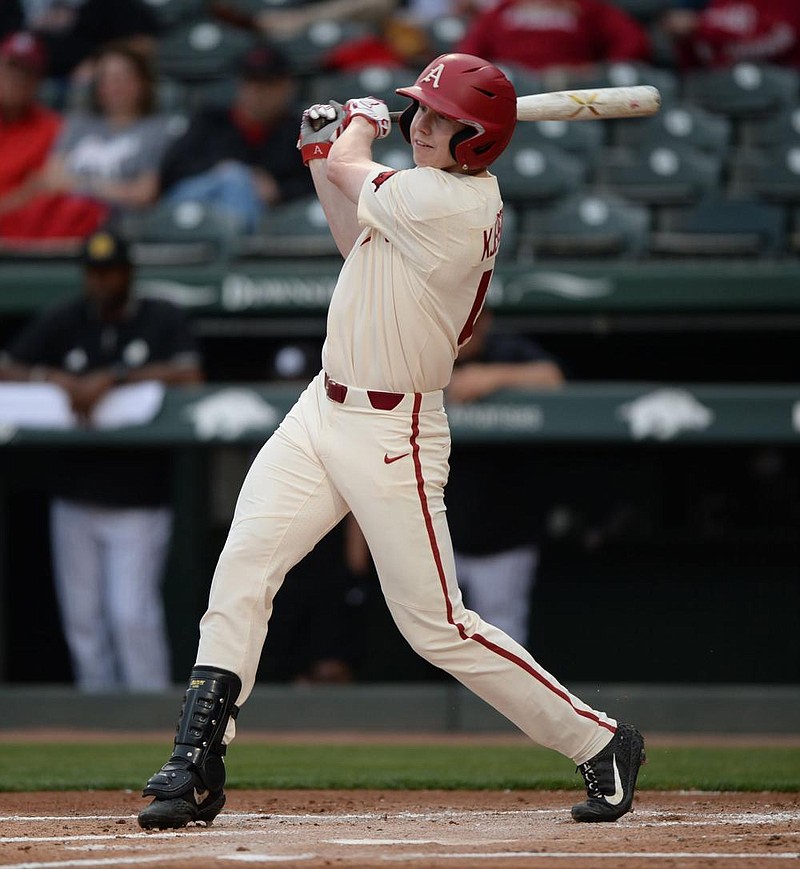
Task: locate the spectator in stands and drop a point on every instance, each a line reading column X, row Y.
column 726, row 32
column 105, row 162
column 74, row 30
column 497, row 549
column 27, row 129
column 110, row 519
column 555, row 34
column 242, row 160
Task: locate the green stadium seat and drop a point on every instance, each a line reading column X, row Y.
column 742, row 91
column 376, row 81
column 308, row 51
column 583, row 140
column 645, row 11
column 294, row 229
column 721, row 226
column 444, row 33
column 538, row 172
column 202, row 50
column 187, row 233
column 173, row 12
column 684, row 123
column 783, row 127
column 771, row 173
column 585, row 224
column 674, row 174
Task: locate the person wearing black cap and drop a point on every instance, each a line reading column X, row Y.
column 110, row 514
column 242, row 159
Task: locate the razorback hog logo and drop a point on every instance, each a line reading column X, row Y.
column 379, row 180
column 434, row 75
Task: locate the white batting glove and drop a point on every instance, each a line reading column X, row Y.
column 374, row 110
column 320, row 125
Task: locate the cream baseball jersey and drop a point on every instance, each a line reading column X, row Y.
column 416, row 279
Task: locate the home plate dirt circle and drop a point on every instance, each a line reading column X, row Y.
column 420, row 829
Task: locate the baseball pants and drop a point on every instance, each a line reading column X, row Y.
column 331, row 455
column 108, row 565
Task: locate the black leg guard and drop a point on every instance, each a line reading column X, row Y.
column 189, row 785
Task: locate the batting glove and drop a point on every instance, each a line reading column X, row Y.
column 320, row 125
column 374, row 110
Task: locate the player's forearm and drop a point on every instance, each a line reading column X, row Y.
column 340, row 212
column 350, row 159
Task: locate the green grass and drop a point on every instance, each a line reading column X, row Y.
column 50, row 766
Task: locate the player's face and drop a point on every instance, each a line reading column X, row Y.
column 430, row 139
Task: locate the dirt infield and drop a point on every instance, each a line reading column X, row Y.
column 420, row 829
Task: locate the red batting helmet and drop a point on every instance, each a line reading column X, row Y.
column 470, row 90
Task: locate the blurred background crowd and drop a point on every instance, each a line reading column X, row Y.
column 110, row 113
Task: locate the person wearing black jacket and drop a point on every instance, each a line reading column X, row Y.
column 242, row 159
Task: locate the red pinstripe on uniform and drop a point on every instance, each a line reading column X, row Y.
column 437, row 558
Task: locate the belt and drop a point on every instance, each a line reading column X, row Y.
column 379, row 400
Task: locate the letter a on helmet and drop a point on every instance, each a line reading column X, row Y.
column 473, row 92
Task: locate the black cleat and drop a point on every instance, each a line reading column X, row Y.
column 610, row 777
column 183, row 810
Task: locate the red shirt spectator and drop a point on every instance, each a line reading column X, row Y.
column 27, row 129
column 729, row 31
column 541, row 34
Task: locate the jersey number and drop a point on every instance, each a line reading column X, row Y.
column 477, row 305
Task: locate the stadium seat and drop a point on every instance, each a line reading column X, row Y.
column 685, row 123
column 674, row 174
column 584, row 140
column 297, row 228
column 444, row 33
column 585, row 224
column 794, row 230
column 644, row 10
column 767, row 132
column 173, row 12
column 308, row 51
column 744, row 90
column 538, row 172
column 187, row 233
column 376, row 81
column 201, row 51
column 719, row 226
column 770, row 173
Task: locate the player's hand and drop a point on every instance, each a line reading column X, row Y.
column 321, row 122
column 373, row 110
column 320, row 125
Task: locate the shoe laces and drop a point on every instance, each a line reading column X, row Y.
column 590, row 777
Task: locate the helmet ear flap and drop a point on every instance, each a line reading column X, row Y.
column 459, row 138
column 405, row 120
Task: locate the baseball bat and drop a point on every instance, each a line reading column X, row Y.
column 590, row 104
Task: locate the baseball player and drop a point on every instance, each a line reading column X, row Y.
column 369, row 435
